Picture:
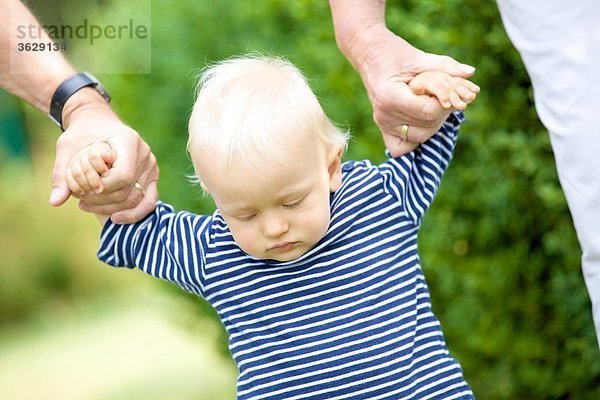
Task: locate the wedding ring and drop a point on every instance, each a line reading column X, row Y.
column 139, row 187
column 404, row 132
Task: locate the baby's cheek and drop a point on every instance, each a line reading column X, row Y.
column 316, row 224
column 247, row 240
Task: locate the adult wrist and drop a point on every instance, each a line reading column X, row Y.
column 354, row 39
column 86, row 100
column 67, row 89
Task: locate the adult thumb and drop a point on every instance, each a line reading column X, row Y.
column 448, row 65
column 60, row 191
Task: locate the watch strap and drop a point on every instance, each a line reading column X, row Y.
column 69, row 87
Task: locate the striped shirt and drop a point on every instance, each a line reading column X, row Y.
column 350, row 319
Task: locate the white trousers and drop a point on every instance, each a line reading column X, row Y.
column 559, row 43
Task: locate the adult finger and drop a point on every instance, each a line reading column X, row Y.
column 126, row 199
column 136, row 206
column 419, row 110
column 60, row 191
column 447, row 64
column 419, row 130
column 398, row 147
column 120, row 195
column 414, row 134
column 143, row 208
column 125, row 162
column 133, row 159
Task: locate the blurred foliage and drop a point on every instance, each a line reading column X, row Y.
column 13, row 141
column 498, row 247
column 47, row 254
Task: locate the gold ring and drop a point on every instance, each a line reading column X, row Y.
column 139, row 187
column 404, row 132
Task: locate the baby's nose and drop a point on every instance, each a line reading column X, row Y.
column 275, row 227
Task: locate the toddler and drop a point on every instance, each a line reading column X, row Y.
column 311, row 263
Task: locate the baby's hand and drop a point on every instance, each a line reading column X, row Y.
column 87, row 168
column 451, row 91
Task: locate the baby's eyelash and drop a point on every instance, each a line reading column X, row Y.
column 296, row 204
column 247, row 218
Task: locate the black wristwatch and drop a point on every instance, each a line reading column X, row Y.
column 68, row 88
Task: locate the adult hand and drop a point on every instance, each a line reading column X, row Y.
column 87, row 117
column 387, row 63
column 87, row 123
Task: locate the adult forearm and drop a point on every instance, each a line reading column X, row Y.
column 86, row 117
column 351, row 17
column 32, row 76
column 35, row 76
column 356, row 24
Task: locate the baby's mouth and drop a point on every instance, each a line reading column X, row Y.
column 283, row 246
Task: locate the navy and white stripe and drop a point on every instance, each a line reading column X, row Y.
column 350, row 319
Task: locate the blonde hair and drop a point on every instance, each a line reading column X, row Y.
column 246, row 102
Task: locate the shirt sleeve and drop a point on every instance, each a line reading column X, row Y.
column 168, row 245
column 413, row 179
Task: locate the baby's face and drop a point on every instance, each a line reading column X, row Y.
column 285, row 212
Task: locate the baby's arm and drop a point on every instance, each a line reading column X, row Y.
column 88, row 167
column 415, row 177
column 165, row 244
column 452, row 92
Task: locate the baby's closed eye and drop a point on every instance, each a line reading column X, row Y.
column 295, row 203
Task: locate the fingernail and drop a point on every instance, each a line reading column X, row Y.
column 54, row 195
column 467, row 69
column 98, row 190
column 105, row 174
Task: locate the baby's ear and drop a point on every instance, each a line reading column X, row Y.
column 335, row 168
